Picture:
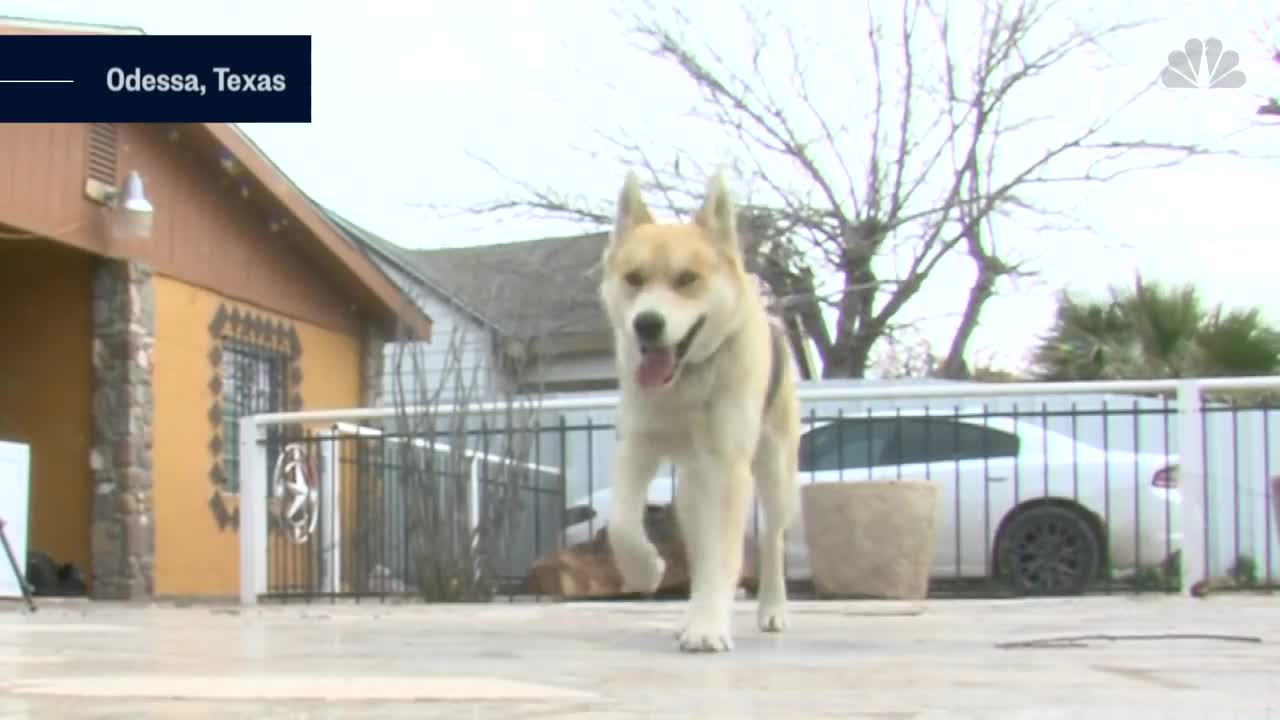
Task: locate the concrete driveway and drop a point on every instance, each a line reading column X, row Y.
column 516, row 660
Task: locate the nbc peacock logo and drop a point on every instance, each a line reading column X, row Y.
column 1203, row 65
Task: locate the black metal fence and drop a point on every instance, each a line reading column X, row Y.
column 1061, row 497
column 455, row 516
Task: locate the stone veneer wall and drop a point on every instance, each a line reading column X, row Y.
column 123, row 531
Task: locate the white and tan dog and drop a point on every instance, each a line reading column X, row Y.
column 706, row 383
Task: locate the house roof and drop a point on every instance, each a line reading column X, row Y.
column 553, row 279
column 525, row 289
column 363, row 276
column 402, row 260
column 379, row 288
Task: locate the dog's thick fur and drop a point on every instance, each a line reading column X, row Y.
column 724, row 414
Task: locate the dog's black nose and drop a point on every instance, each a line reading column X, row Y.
column 649, row 326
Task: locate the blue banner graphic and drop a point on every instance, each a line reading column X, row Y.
column 155, row 78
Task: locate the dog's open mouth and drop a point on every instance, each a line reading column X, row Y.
column 660, row 363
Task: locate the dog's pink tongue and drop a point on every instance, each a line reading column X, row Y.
column 655, row 367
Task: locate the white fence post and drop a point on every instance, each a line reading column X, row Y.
column 253, row 510
column 1191, row 483
column 330, row 527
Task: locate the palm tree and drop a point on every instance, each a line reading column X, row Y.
column 1154, row 331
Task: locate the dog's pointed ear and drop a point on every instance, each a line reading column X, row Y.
column 631, row 213
column 718, row 214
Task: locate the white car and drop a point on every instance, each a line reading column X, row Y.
column 1043, row 512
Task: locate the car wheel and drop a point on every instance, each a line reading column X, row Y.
column 1049, row 550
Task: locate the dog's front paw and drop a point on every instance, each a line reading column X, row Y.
column 707, row 633
column 772, row 617
column 641, row 572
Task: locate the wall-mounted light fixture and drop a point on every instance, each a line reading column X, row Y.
column 131, row 214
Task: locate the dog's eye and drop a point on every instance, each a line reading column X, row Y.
column 634, row 278
column 685, row 279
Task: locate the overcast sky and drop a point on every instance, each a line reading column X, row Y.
column 402, row 92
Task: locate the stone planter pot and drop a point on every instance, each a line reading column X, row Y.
column 870, row 539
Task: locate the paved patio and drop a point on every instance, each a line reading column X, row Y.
column 524, row 660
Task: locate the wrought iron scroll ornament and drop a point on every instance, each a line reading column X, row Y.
column 295, row 496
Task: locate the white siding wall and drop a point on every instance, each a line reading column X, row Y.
column 461, row 345
column 575, row 368
column 459, row 353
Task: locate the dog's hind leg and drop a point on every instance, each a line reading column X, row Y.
column 636, row 557
column 775, row 471
column 712, row 506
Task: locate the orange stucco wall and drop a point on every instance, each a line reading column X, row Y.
column 193, row 556
column 46, row 378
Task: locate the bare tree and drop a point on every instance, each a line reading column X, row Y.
column 851, row 213
column 910, row 355
column 453, row 471
column 904, row 355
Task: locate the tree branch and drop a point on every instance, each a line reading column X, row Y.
column 847, row 238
